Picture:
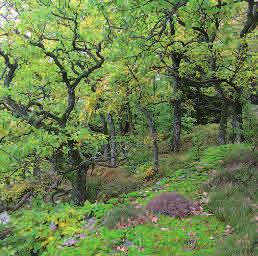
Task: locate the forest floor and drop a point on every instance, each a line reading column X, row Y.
column 68, row 230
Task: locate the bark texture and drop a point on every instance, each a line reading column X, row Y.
column 176, row 135
column 112, row 139
column 79, row 178
column 223, row 124
column 237, row 123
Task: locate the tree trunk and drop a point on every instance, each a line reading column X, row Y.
column 106, row 147
column 155, row 154
column 223, row 124
column 79, row 186
column 237, row 123
column 130, row 117
column 176, row 125
column 176, row 85
column 153, row 133
column 79, row 178
column 57, row 159
column 198, row 106
column 112, row 138
column 126, row 119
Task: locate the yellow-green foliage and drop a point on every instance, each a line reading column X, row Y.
column 11, row 193
column 145, row 172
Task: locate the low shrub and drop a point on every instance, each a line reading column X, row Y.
column 172, row 204
column 173, row 162
column 241, row 243
column 201, row 137
column 214, row 157
column 116, row 188
column 99, row 189
column 231, row 206
column 122, row 214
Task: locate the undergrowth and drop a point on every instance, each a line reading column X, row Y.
column 43, row 229
column 233, row 199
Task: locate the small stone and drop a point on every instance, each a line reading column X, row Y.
column 70, row 242
column 53, row 226
column 206, row 214
column 4, row 218
column 127, row 243
column 81, row 236
column 90, row 224
column 228, row 230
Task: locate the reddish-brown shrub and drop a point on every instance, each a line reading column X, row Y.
column 174, row 205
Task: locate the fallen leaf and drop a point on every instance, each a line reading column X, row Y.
column 154, row 219
column 164, row 229
column 122, row 249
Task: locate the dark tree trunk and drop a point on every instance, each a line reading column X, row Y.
column 112, row 139
column 176, row 85
column 130, row 117
column 237, row 123
column 155, row 153
column 223, row 124
column 176, row 134
column 106, row 147
column 10, row 75
column 126, row 119
column 58, row 159
column 198, row 106
column 79, row 186
column 79, row 178
column 153, row 133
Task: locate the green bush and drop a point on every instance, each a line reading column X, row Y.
column 173, row 162
column 100, row 189
column 115, row 188
column 214, row 157
column 118, row 214
column 201, row 137
column 231, row 206
column 241, row 243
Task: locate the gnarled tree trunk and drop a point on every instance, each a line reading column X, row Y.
column 223, row 124
column 237, row 123
column 106, row 147
column 79, row 179
column 112, row 139
column 176, row 132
